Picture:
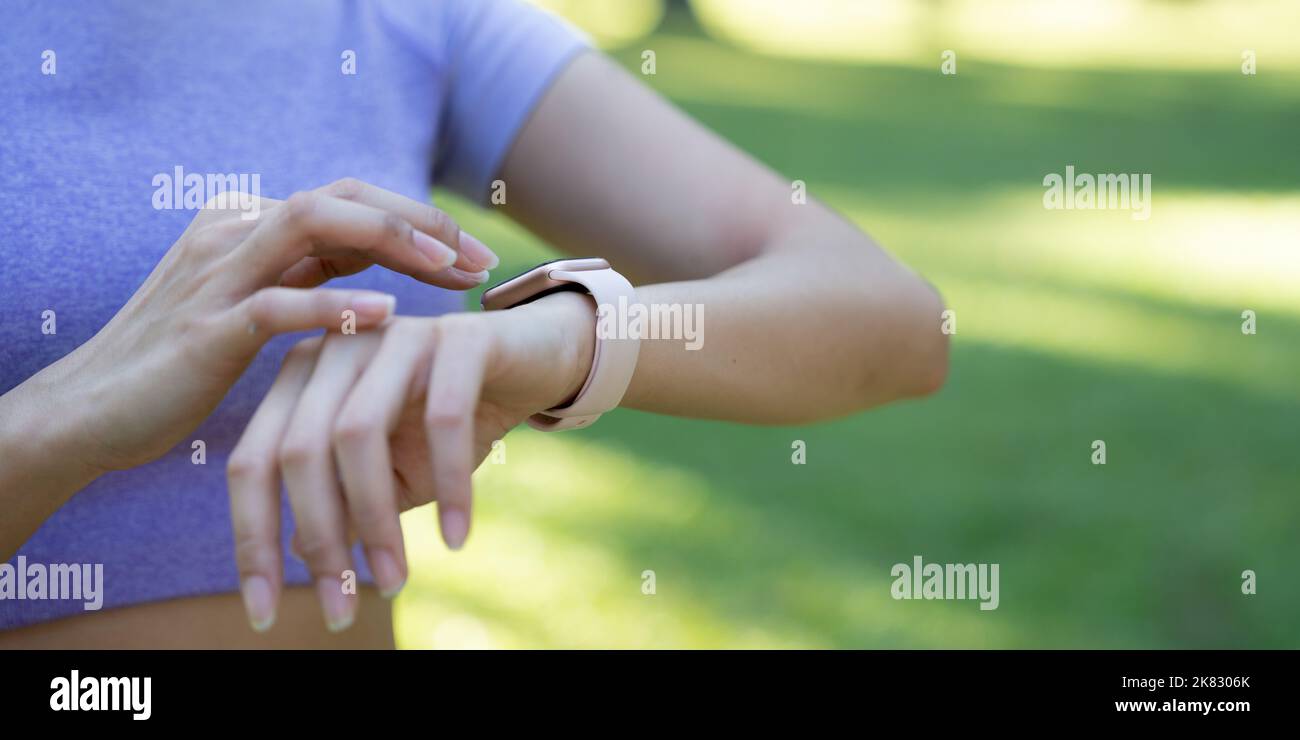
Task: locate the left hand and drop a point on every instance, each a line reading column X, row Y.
column 364, row 426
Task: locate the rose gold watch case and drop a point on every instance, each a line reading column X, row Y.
column 537, row 282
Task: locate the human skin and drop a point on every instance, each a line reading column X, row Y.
column 807, row 319
column 166, row 359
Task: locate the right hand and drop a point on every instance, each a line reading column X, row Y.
column 168, row 357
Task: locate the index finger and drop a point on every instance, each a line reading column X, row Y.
column 312, row 224
column 473, row 255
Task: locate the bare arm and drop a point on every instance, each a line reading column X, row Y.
column 805, row 316
column 167, row 358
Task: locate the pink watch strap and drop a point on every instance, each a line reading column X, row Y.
column 613, row 362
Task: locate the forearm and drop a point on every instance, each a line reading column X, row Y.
column 822, row 323
column 804, row 316
column 41, row 463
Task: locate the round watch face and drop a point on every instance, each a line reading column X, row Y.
column 536, row 282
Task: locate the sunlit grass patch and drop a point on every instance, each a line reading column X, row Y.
column 1066, row 33
column 546, row 566
column 610, row 24
column 536, row 572
column 1206, row 250
column 1165, row 294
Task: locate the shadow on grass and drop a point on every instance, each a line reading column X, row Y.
column 1146, row 551
column 879, row 127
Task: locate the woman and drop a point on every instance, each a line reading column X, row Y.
column 149, row 427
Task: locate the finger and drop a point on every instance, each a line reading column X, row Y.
column 459, row 359
column 312, row 271
column 311, row 224
column 254, row 482
column 295, row 549
column 235, row 204
column 271, row 311
column 474, row 255
column 309, row 272
column 361, row 433
column 308, row 469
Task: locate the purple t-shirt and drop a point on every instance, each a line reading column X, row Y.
column 439, row 91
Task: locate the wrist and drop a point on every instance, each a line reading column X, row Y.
column 44, row 441
column 573, row 316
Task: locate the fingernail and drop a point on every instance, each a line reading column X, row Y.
column 478, row 251
column 455, row 527
column 388, row 576
column 437, row 252
column 335, row 604
column 374, row 306
column 478, row 278
column 258, row 602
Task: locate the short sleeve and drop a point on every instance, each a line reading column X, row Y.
column 500, row 57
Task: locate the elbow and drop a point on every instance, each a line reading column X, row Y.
column 935, row 343
column 934, row 373
column 908, row 341
column 928, row 329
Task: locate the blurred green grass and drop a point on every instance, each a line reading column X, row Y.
column 1072, row 326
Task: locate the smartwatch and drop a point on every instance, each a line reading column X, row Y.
column 615, row 355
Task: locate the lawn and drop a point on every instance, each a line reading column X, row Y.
column 1072, row 326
